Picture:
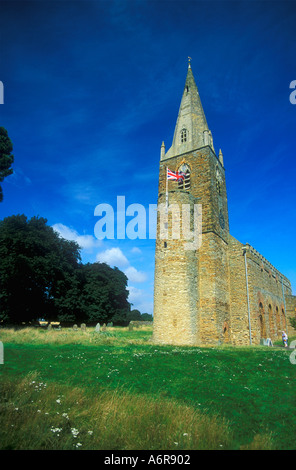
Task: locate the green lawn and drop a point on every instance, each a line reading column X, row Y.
column 251, row 388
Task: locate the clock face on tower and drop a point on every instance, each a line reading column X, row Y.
column 221, row 220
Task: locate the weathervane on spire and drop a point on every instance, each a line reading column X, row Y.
column 189, row 60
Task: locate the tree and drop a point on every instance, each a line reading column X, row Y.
column 293, row 322
column 134, row 315
column 6, row 157
column 104, row 294
column 41, row 275
column 37, row 268
column 146, row 317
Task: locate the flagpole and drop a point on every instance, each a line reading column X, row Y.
column 166, row 191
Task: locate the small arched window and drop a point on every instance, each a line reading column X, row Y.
column 185, row 183
column 184, row 136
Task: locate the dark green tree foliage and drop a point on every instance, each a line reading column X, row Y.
column 146, row 317
column 6, row 158
column 293, row 322
column 104, row 294
column 134, row 315
column 41, row 275
column 36, row 267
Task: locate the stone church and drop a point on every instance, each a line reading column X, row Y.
column 224, row 291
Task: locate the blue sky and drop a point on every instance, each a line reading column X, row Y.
column 92, row 88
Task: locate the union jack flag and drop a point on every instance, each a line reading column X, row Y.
column 175, row 176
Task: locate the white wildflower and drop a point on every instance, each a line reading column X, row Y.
column 74, row 432
column 56, row 430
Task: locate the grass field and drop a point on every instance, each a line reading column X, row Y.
column 65, row 389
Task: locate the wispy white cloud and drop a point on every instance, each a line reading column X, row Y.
column 19, row 178
column 134, row 275
column 113, row 257
column 141, row 299
column 136, row 250
column 134, row 293
column 86, row 242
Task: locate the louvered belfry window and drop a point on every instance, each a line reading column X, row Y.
column 184, row 184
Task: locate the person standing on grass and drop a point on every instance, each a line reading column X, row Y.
column 285, row 339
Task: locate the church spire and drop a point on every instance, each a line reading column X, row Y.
column 191, row 131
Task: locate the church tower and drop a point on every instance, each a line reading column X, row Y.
column 191, row 292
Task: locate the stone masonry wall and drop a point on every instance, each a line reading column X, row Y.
column 268, row 316
column 175, row 284
column 268, row 292
column 238, row 294
column 291, row 312
column 213, row 290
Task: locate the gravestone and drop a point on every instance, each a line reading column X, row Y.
column 49, row 327
column 130, row 327
column 97, row 329
column 266, row 342
column 75, row 327
column 104, row 327
column 83, row 327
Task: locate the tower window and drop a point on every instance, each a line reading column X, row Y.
column 184, row 184
column 183, row 136
column 218, row 185
column 218, row 180
column 187, row 181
